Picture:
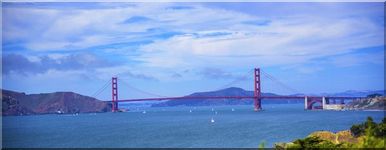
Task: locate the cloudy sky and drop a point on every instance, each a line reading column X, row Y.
column 175, row 49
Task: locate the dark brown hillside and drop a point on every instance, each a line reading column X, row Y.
column 15, row 103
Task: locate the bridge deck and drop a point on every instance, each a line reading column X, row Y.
column 233, row 97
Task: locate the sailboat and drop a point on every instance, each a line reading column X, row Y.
column 212, row 120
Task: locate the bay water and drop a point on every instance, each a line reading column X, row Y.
column 177, row 127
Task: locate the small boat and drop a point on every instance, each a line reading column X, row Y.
column 212, row 120
column 144, row 112
column 212, row 109
column 233, row 109
column 190, row 110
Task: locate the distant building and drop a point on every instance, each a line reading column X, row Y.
column 333, row 106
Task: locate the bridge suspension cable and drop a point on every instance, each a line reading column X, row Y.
column 100, row 90
column 236, row 80
column 139, row 90
column 278, row 82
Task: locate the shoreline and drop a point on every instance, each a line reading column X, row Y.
column 353, row 110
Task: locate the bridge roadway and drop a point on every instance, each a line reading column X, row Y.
column 234, row 97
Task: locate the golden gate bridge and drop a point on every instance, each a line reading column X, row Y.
column 309, row 101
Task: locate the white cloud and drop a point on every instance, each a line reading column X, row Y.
column 358, row 59
column 281, row 43
column 214, row 37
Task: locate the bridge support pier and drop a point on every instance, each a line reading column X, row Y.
column 323, row 102
column 305, row 102
column 257, row 104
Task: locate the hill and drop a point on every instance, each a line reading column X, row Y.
column 356, row 93
column 16, row 103
column 235, row 91
column 232, row 91
column 374, row 103
column 367, row 135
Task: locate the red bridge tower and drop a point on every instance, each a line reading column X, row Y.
column 114, row 94
column 257, row 91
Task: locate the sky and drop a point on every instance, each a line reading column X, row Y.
column 174, row 49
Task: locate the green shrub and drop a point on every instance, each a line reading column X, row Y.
column 370, row 141
column 313, row 142
column 377, row 130
column 368, row 134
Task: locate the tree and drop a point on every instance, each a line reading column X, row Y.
column 370, row 123
column 369, row 141
column 380, row 130
column 357, row 130
column 374, row 129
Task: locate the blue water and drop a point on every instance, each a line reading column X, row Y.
column 175, row 127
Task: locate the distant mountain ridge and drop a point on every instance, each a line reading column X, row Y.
column 348, row 93
column 235, row 91
column 355, row 93
column 232, row 91
column 16, row 103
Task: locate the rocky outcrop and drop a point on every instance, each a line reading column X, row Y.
column 15, row 103
column 339, row 137
column 376, row 103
